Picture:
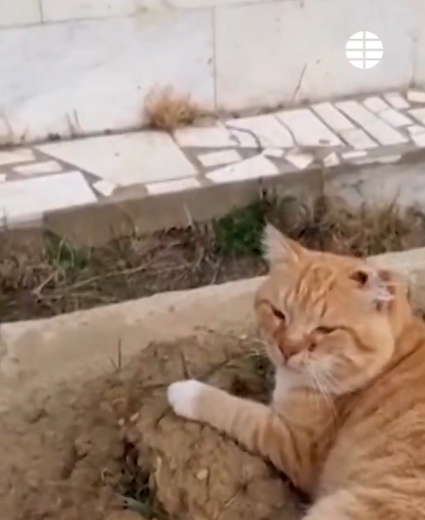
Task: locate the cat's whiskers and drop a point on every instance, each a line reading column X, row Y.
column 330, row 380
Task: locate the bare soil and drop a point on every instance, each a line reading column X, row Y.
column 86, row 452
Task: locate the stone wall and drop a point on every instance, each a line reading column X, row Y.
column 75, row 67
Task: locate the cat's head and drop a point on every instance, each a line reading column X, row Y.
column 326, row 317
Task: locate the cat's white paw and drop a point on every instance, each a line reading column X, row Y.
column 183, row 397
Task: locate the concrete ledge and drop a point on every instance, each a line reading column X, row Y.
column 43, row 353
column 373, row 183
column 91, row 190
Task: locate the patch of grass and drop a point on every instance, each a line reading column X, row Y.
column 64, row 256
column 240, row 232
column 64, row 278
column 134, row 487
column 168, row 110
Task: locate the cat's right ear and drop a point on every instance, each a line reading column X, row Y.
column 279, row 250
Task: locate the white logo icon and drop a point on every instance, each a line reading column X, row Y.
column 364, row 50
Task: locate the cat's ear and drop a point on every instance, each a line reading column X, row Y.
column 377, row 282
column 279, row 250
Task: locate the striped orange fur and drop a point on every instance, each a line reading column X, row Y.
column 346, row 422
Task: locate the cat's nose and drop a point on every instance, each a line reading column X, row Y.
column 290, row 348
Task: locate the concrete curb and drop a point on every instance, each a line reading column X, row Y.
column 81, row 345
column 384, row 179
column 89, row 191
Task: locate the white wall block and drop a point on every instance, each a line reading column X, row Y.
column 92, row 73
column 263, row 49
column 88, row 76
column 419, row 73
column 19, row 12
column 199, row 4
column 55, row 10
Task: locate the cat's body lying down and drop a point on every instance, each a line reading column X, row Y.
column 347, row 418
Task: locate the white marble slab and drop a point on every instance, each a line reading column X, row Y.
column 375, row 104
column 356, row 111
column 284, row 52
column 300, row 160
column 160, row 188
column 126, row 159
column 419, row 140
column 216, row 136
column 253, row 168
column 416, row 129
column 332, row 117
column 19, row 12
column 331, row 160
column 354, row 155
column 266, row 129
column 39, row 168
column 18, row 155
column 307, row 129
column 416, row 96
column 88, row 76
column 396, row 100
column 105, row 188
column 419, row 114
column 395, row 118
column 358, row 139
column 219, row 158
column 377, row 128
column 30, row 198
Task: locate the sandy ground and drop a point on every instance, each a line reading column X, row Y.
column 83, row 452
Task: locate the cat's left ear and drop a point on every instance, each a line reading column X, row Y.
column 279, row 250
column 377, row 282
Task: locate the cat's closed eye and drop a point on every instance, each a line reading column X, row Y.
column 278, row 314
column 325, row 330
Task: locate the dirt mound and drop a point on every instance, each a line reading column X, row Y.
column 85, row 452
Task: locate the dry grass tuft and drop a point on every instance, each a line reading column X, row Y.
column 167, row 110
column 329, row 224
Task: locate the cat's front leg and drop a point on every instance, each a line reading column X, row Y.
column 252, row 424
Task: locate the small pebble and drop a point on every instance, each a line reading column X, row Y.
column 134, row 418
column 202, row 475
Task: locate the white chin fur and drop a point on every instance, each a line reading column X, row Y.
column 285, row 381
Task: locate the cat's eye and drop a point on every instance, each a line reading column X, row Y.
column 278, row 314
column 324, row 330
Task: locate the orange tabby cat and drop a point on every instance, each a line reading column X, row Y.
column 347, row 418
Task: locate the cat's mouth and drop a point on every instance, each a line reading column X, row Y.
column 296, row 363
